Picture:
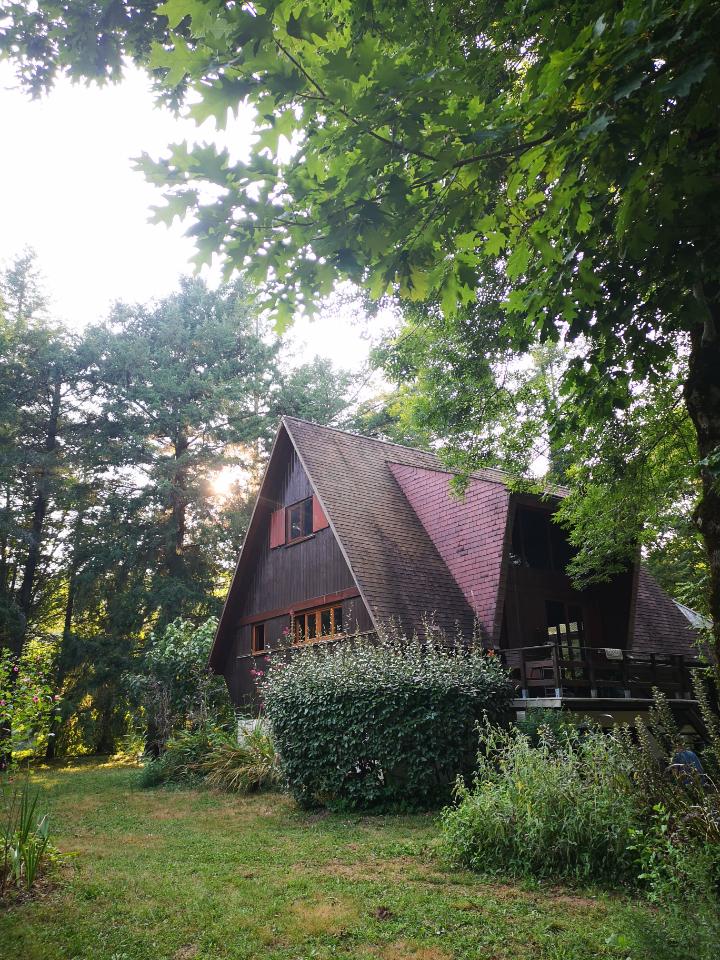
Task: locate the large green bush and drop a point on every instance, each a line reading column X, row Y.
column 363, row 725
column 563, row 809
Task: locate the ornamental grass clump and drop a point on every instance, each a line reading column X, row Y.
column 182, row 760
column 563, row 809
column 246, row 765
column 381, row 724
column 212, row 756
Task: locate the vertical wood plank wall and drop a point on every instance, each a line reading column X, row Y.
column 285, row 576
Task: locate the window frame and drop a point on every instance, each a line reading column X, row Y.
column 255, row 649
column 306, row 520
column 302, row 616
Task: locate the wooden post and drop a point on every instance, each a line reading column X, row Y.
column 625, row 679
column 523, row 675
column 556, row 670
column 588, row 662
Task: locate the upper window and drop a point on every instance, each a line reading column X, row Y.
column 321, row 624
column 299, row 520
column 538, row 542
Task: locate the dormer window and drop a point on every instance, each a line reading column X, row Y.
column 299, row 520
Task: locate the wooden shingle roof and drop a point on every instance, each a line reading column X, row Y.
column 398, row 569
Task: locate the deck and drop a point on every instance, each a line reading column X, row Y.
column 584, row 678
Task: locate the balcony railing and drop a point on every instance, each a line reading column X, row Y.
column 557, row 671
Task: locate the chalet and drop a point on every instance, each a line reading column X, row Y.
column 349, row 533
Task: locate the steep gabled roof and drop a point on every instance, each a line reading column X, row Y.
column 396, row 566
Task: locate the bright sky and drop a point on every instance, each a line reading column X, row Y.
column 70, row 192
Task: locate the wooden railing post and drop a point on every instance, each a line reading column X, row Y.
column 625, row 676
column 590, row 666
column 524, row 693
column 556, row 670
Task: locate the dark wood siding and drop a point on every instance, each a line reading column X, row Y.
column 279, row 578
column 298, row 571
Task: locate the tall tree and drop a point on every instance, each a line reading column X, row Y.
column 183, row 384
column 40, row 426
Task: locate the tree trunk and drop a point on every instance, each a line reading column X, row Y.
column 179, row 502
column 40, row 506
column 702, row 397
column 51, row 750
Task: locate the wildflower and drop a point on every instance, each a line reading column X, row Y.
column 36, row 699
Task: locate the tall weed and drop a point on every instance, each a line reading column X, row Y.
column 562, row 809
column 24, row 836
column 243, row 766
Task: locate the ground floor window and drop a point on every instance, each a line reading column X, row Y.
column 321, row 624
column 258, row 638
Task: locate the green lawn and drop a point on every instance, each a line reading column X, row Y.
column 193, row 874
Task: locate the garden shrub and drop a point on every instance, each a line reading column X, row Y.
column 677, row 844
column 243, row 765
column 386, row 724
column 563, row 809
column 183, row 757
column 538, row 720
column 174, row 685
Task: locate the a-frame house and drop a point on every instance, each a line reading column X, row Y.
column 349, row 533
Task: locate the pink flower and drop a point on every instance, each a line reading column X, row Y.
column 35, row 699
column 2, row 703
column 16, row 669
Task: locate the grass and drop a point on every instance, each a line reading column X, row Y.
column 180, row 874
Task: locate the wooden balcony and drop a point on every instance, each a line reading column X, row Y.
column 554, row 671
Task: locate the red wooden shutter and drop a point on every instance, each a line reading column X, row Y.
column 277, row 528
column 320, row 521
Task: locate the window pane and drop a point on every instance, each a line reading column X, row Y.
column 325, row 628
column 300, row 628
column 295, row 522
column 307, row 517
column 337, row 611
column 259, row 636
column 535, row 538
column 311, row 626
